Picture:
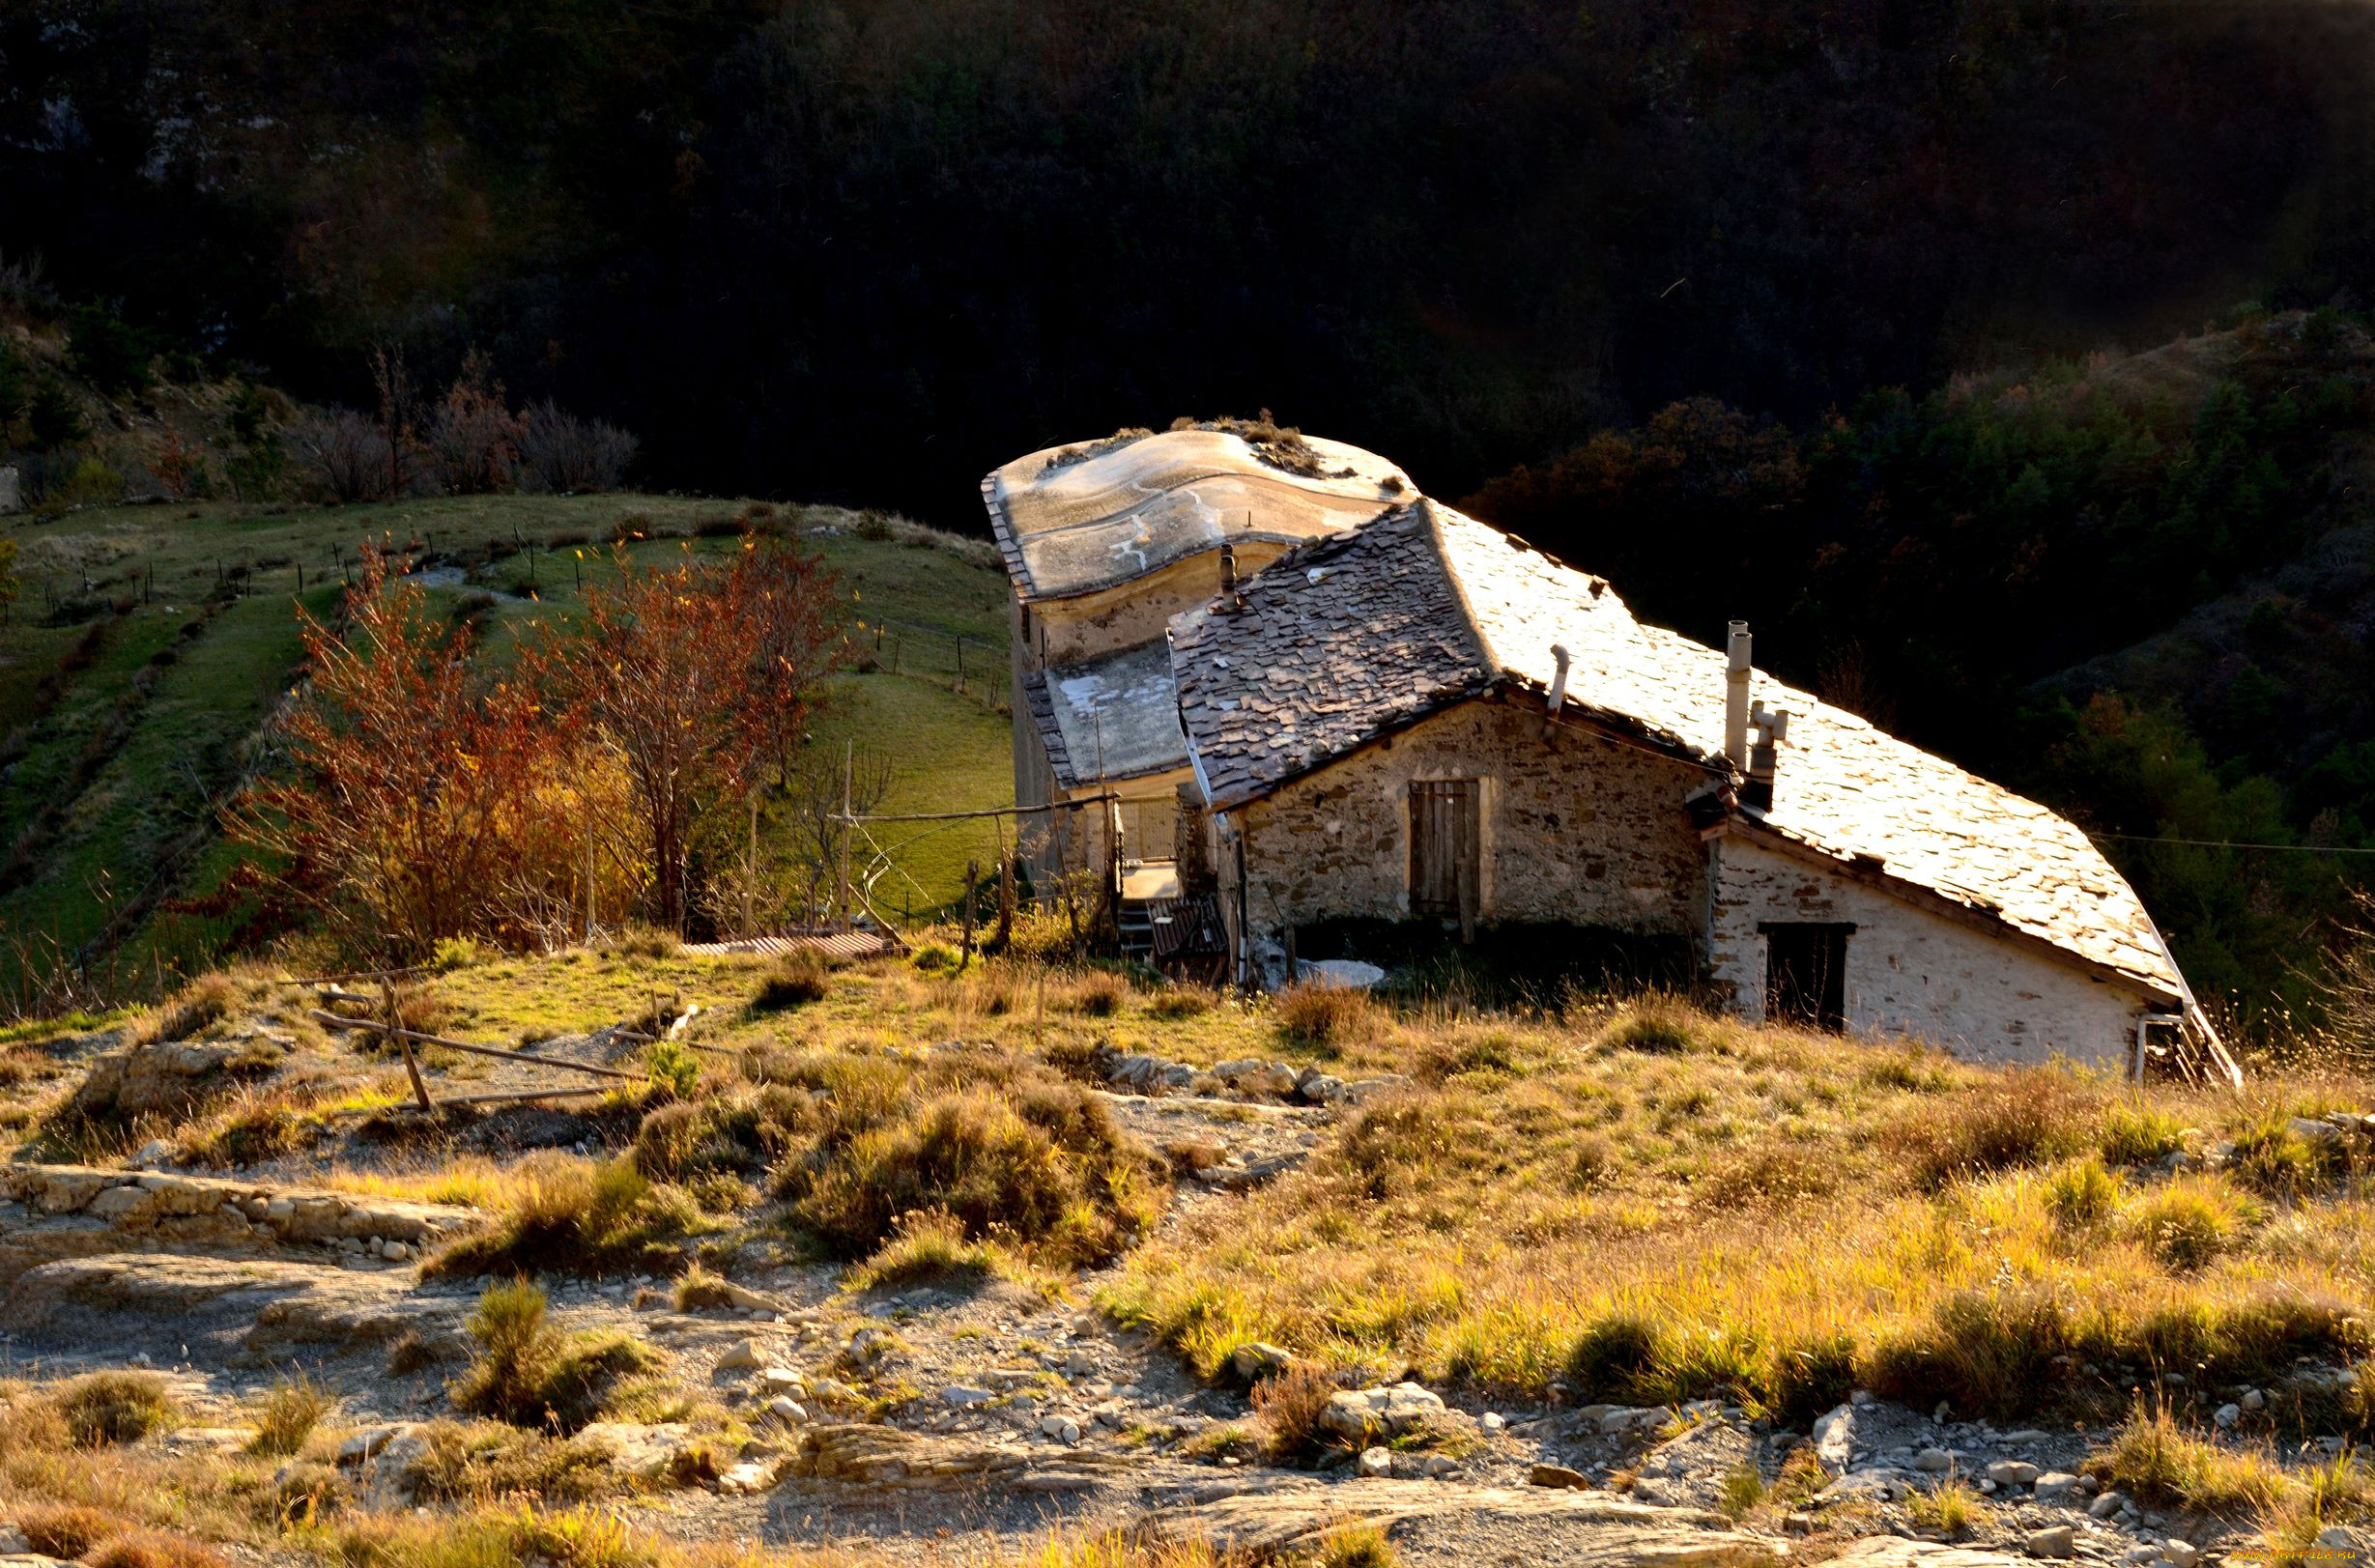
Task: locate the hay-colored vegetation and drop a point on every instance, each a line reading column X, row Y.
column 1679, row 1206
column 529, row 1374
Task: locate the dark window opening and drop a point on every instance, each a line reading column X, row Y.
column 1445, row 833
column 1806, row 974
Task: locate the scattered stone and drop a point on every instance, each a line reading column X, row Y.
column 1492, row 1421
column 1060, row 1427
column 1260, row 1360
column 1558, row 1475
column 2058, row 1486
column 2012, row 1472
column 1934, row 1460
column 2226, row 1415
column 2056, row 1541
column 645, row 1452
column 1376, row 1462
column 740, row 1357
column 747, row 1476
column 782, row 1379
column 1834, row 1437
column 2254, row 1400
column 956, row 1396
column 2318, row 1133
column 787, row 1409
column 2105, row 1506
column 1363, row 1413
column 2342, row 1538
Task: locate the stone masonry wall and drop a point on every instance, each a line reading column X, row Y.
column 1914, row 973
column 1576, row 829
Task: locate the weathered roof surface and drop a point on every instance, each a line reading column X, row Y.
column 1070, row 527
column 1348, row 639
column 1112, row 716
column 1337, row 642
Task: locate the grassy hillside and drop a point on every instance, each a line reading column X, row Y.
column 152, row 642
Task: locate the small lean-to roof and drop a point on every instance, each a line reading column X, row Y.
column 1073, row 520
column 1346, row 641
column 1112, row 717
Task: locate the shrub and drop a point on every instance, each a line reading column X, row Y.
column 2025, row 1116
column 1951, row 1507
column 930, row 1244
column 1356, row 1546
column 343, row 455
column 1177, row 1001
column 2082, row 1193
column 673, row 1066
column 291, row 1411
column 1617, row 1355
column 483, row 1462
column 194, row 1009
column 797, row 978
column 1653, row 1023
column 528, row 1374
column 102, row 1408
column 1743, row 1489
column 1100, row 993
column 2134, row 1133
column 2269, row 1156
column 933, row 957
column 560, row 453
column 453, row 953
column 2154, row 1458
column 565, row 1215
column 1289, row 1406
column 152, row 1549
column 2189, row 1222
column 1048, row 1165
column 1310, row 1013
column 700, row 1290
column 67, row 1529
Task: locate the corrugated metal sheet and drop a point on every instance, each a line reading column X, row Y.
column 832, row 944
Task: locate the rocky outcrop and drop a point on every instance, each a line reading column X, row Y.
column 1591, row 1528
column 222, row 1212
column 264, row 1308
column 169, row 1080
column 887, row 1456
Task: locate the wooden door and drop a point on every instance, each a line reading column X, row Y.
column 1444, row 848
column 1806, row 973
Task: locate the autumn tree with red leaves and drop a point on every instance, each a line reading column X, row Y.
column 702, row 676
column 423, row 797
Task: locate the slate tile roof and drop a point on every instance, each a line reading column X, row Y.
column 1073, row 527
column 1349, row 639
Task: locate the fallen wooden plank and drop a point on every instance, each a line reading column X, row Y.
column 506, row 1098
column 336, row 1021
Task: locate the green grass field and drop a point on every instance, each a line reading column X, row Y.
column 114, row 772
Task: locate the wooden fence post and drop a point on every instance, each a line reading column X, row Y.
column 412, row 1067
column 973, row 876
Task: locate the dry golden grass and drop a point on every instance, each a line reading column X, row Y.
column 1675, row 1206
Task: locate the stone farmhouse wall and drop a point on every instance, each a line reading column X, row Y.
column 1578, row 829
column 1912, row 972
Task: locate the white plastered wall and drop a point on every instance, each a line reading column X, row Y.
column 1913, row 972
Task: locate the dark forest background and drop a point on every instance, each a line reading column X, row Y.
column 2003, row 360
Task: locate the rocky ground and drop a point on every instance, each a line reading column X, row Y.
column 901, row 1421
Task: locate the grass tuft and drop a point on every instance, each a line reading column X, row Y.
column 103, row 1407
column 291, row 1411
column 1289, row 1405
column 1325, row 1016
column 528, row 1374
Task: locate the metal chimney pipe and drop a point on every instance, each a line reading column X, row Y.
column 1735, row 697
column 1558, row 681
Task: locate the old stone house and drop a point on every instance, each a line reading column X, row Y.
column 1390, row 717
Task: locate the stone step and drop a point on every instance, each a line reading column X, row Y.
column 205, row 1213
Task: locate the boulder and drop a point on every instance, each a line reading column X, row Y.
column 2012, row 1472
column 1359, row 1414
column 1558, row 1475
column 1260, row 1360
column 390, row 1477
column 2054, row 1541
column 163, row 1080
column 2060, row 1486
column 646, row 1453
column 1376, row 1462
column 740, row 1357
column 1834, row 1437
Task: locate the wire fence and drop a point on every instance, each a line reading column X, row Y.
column 973, row 666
